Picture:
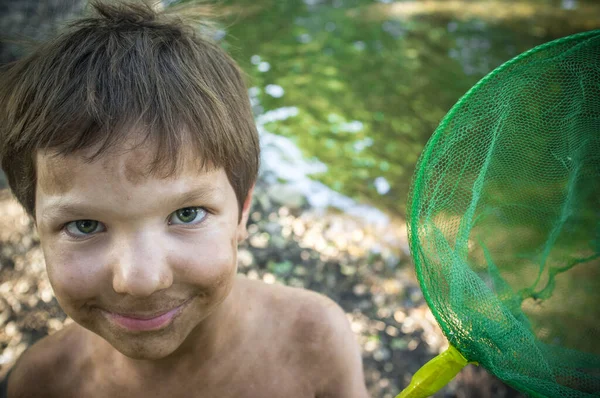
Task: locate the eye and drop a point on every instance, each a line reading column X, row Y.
column 187, row 216
column 82, row 228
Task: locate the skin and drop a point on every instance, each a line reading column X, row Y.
column 231, row 337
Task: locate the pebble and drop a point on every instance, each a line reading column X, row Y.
column 300, row 270
column 399, row 316
column 260, row 241
column 32, row 301
column 379, row 325
column 384, row 312
column 360, row 289
column 22, row 287
column 5, row 314
column 54, row 324
column 381, row 354
column 384, row 383
column 6, row 287
column 46, row 296
column 392, row 331
column 371, row 345
column 268, row 278
column 245, row 257
column 10, row 329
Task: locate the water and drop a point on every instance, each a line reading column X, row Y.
column 369, row 81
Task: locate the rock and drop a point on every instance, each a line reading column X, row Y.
column 287, row 195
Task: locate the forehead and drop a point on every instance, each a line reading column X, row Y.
column 60, row 174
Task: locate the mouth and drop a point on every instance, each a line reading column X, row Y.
column 145, row 322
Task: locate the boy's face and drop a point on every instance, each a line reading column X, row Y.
column 140, row 261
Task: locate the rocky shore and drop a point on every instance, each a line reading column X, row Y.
column 291, row 243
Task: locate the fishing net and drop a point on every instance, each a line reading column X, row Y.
column 504, row 220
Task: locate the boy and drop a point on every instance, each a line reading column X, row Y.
column 130, row 141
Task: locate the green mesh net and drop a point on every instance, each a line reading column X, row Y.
column 504, row 220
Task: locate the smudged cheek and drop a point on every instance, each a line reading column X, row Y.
column 77, row 276
column 211, row 266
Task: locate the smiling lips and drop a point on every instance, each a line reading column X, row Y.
column 140, row 323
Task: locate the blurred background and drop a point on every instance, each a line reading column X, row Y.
column 346, row 93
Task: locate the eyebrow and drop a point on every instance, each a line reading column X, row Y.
column 201, row 194
column 67, row 209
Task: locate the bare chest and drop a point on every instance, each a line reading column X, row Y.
column 262, row 370
column 248, row 381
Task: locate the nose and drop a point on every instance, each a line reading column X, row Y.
column 140, row 266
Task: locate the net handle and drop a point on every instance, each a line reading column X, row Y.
column 435, row 374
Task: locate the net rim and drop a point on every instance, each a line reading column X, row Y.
column 418, row 178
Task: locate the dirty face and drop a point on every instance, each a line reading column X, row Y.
column 141, row 261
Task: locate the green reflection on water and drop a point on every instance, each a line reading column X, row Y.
column 372, row 81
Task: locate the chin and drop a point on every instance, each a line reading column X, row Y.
column 145, row 353
column 146, row 347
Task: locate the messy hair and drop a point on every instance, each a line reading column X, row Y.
column 127, row 67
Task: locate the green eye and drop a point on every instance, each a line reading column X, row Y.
column 188, row 215
column 82, row 228
column 86, row 226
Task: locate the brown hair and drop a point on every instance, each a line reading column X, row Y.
column 127, row 67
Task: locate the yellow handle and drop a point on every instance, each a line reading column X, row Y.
column 435, row 374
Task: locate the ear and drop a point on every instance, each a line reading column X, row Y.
column 242, row 232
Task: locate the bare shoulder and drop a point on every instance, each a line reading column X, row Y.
column 300, row 310
column 317, row 327
column 48, row 367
